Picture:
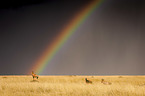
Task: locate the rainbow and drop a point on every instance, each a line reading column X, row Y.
column 64, row 35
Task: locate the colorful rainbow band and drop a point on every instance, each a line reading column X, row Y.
column 64, row 35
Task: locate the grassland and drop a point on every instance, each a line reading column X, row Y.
column 72, row 86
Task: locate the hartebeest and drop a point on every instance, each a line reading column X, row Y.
column 88, row 81
column 105, row 82
column 34, row 75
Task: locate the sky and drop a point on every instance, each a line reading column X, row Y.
column 109, row 42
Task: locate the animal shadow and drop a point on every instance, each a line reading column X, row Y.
column 142, row 85
column 4, row 77
column 34, row 81
column 120, row 76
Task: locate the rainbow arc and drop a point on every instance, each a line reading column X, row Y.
column 64, row 35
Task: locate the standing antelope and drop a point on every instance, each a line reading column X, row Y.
column 106, row 83
column 88, row 81
column 34, row 75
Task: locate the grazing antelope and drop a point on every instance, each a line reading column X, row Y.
column 88, row 81
column 34, row 75
column 106, row 83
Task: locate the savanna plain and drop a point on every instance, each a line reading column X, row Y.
column 72, row 86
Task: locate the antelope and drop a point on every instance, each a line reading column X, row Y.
column 106, row 83
column 88, row 81
column 34, row 75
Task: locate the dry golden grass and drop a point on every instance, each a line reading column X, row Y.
column 72, row 86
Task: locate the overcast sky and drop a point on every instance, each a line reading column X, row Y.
column 111, row 41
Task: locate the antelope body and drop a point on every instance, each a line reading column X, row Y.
column 105, row 82
column 34, row 75
column 88, row 81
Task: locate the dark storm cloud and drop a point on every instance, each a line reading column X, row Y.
column 6, row 4
column 111, row 40
column 27, row 27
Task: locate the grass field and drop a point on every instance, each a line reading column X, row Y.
column 72, row 86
